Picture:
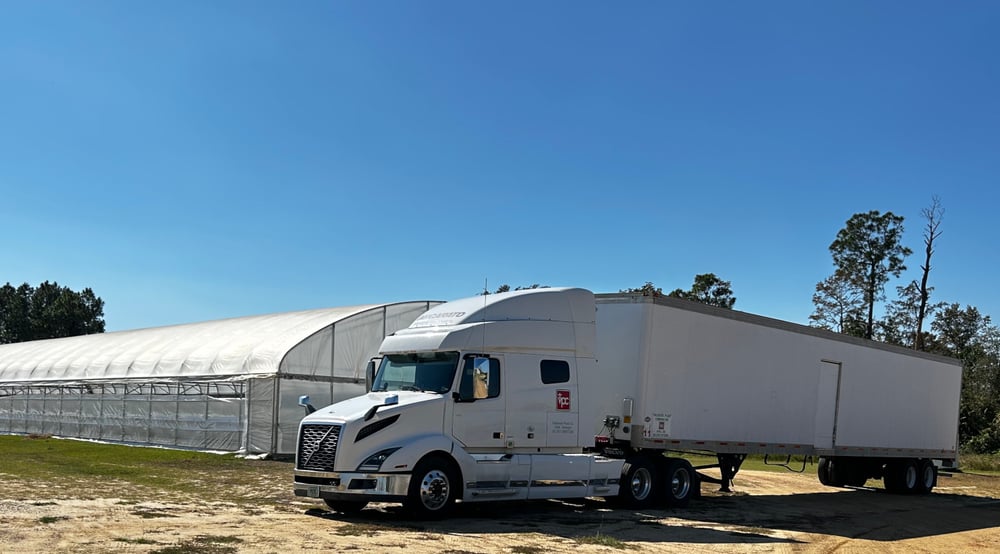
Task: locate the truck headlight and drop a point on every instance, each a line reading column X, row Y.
column 375, row 461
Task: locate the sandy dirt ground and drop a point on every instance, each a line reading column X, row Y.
column 768, row 512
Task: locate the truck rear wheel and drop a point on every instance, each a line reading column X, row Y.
column 638, row 486
column 433, row 488
column 681, row 483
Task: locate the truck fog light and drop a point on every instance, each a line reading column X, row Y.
column 362, row 484
column 375, row 461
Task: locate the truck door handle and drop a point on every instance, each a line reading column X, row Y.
column 498, row 435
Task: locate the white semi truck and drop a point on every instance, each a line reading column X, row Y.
column 558, row 393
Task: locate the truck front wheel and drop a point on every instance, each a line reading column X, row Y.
column 433, row 488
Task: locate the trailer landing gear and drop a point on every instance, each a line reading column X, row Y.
column 729, row 466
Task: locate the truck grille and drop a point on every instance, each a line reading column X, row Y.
column 318, row 447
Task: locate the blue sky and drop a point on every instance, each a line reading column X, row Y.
column 200, row 160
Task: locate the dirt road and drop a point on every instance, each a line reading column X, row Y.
column 769, row 512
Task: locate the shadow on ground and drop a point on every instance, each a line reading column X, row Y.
column 767, row 519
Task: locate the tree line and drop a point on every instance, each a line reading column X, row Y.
column 866, row 254
column 48, row 311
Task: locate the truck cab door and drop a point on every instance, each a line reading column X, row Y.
column 542, row 401
column 478, row 407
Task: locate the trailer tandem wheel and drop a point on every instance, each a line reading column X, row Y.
column 823, row 471
column 681, row 482
column 926, row 476
column 902, row 476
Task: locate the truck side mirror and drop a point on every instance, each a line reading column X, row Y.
column 370, row 374
column 475, row 381
column 304, row 402
column 481, row 378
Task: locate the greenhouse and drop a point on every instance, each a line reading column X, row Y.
column 227, row 385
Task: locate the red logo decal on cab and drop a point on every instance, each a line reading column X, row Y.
column 562, row 399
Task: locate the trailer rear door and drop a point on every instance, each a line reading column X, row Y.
column 827, row 396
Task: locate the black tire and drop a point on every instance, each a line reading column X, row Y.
column 891, row 476
column 639, row 486
column 911, row 476
column 857, row 474
column 926, row 476
column 856, row 477
column 902, row 476
column 833, row 472
column 680, row 483
column 434, row 486
column 823, row 471
column 346, row 507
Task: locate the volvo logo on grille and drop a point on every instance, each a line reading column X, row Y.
column 318, row 447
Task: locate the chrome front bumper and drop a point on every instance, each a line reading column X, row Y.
column 372, row 487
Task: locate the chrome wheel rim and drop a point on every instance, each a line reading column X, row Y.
column 434, row 490
column 680, row 484
column 641, row 483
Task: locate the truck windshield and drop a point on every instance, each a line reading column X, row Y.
column 423, row 371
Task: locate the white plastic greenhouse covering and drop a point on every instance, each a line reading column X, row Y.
column 227, row 385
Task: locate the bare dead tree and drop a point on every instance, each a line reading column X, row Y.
column 932, row 215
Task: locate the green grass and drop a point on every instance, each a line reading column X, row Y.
column 44, row 457
column 755, row 462
column 980, row 463
column 129, row 471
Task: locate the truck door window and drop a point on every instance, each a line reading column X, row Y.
column 555, row 371
column 480, row 378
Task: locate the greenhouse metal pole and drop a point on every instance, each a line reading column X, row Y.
column 275, row 406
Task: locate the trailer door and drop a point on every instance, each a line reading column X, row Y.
column 827, row 397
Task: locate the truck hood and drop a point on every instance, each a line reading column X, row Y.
column 355, row 408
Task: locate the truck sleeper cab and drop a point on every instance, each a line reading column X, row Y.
column 411, row 455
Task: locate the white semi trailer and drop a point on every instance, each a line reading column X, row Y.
column 558, row 393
